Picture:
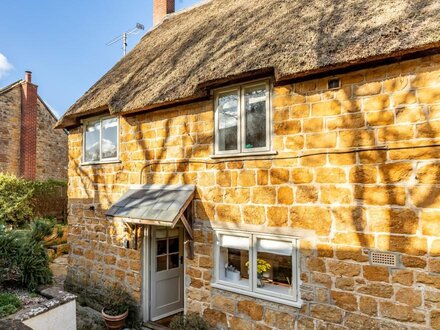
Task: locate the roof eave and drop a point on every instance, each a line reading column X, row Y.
column 73, row 120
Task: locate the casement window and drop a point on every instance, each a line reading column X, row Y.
column 258, row 265
column 101, row 140
column 242, row 119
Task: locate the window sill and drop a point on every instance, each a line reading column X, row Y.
column 101, row 163
column 297, row 304
column 245, row 155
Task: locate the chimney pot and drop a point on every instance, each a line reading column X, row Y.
column 28, row 76
column 161, row 8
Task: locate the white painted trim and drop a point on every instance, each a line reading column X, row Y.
column 245, row 154
column 101, row 163
column 216, row 131
column 146, row 275
column 167, row 314
column 218, row 269
column 243, row 88
column 112, row 160
column 239, row 89
column 252, row 290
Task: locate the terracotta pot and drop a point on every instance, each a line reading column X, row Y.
column 114, row 322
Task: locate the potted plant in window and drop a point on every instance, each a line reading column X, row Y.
column 262, row 267
column 115, row 310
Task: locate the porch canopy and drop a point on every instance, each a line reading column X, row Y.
column 161, row 205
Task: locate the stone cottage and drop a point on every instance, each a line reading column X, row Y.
column 267, row 165
column 30, row 147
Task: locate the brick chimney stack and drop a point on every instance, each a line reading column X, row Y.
column 28, row 142
column 161, row 8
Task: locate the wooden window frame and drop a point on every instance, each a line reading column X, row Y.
column 101, row 160
column 241, row 120
column 253, row 290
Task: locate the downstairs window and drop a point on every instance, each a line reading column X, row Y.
column 258, row 265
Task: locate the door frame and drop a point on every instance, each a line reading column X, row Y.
column 146, row 270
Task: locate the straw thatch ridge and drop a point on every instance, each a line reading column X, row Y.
column 228, row 38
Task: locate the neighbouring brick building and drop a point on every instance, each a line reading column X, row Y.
column 310, row 132
column 29, row 145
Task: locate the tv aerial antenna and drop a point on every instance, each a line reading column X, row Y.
column 125, row 35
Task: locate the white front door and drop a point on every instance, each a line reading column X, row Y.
column 166, row 295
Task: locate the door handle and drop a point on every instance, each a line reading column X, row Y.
column 181, row 260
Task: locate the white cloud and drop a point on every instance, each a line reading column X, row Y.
column 5, row 66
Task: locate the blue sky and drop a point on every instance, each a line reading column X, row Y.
column 64, row 42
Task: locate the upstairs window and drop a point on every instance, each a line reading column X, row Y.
column 101, row 140
column 242, row 119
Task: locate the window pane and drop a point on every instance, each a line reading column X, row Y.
column 161, row 263
column 227, row 108
column 255, row 114
column 274, row 266
column 174, row 261
column 109, row 147
column 234, row 265
column 173, row 245
column 161, row 247
column 277, row 247
column 236, row 242
column 92, row 142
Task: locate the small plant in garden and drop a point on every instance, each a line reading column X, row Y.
column 23, row 258
column 9, row 304
column 189, row 322
column 116, row 301
column 60, row 231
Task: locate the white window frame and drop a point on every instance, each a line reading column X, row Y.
column 253, row 291
column 241, row 120
column 101, row 160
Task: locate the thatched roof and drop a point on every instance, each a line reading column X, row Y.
column 227, row 38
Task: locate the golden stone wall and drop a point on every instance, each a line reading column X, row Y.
column 357, row 169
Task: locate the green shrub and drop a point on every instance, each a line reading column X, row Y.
column 20, row 198
column 189, row 322
column 15, row 200
column 41, row 228
column 23, row 257
column 33, row 263
column 9, row 304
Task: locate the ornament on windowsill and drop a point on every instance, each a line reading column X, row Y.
column 231, row 273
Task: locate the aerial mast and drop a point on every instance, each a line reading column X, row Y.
column 124, row 37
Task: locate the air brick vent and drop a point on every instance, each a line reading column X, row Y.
column 334, row 83
column 383, row 259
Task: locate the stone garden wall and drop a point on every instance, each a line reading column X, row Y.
column 357, row 170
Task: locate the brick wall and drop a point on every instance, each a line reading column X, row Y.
column 28, row 134
column 161, row 8
column 357, row 170
column 10, row 119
